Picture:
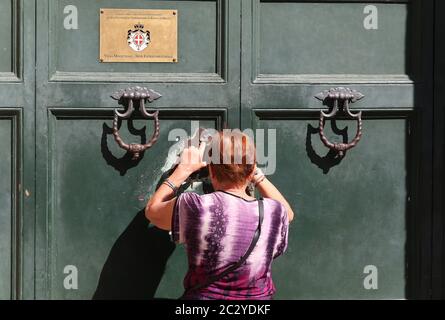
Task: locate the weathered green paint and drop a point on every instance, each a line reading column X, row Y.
column 6, row 212
column 94, row 201
column 5, row 36
column 196, row 20
column 17, row 105
column 349, row 216
column 329, row 38
column 354, row 212
column 74, row 104
column 67, row 197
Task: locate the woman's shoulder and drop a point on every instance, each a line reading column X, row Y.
column 189, row 195
column 189, row 199
column 273, row 202
column 194, row 196
column 275, row 205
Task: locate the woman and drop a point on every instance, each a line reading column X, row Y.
column 220, row 227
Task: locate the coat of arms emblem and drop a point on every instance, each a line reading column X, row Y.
column 138, row 39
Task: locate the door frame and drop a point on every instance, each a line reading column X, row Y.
column 438, row 219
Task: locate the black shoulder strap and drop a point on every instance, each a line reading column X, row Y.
column 236, row 265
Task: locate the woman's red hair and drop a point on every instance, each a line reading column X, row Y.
column 235, row 158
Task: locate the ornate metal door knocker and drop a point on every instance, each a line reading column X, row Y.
column 341, row 97
column 127, row 97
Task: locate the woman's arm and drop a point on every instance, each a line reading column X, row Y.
column 159, row 208
column 268, row 190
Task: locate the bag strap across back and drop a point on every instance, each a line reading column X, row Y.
column 243, row 259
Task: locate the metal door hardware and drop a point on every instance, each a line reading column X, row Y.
column 128, row 97
column 340, row 98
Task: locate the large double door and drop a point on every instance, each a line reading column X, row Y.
column 71, row 219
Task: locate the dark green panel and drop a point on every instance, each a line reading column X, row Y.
column 78, row 50
column 95, row 210
column 6, row 35
column 89, row 206
column 330, row 38
column 6, row 210
column 348, row 216
column 172, row 286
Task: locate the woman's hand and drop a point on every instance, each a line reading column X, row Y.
column 191, row 159
column 257, row 176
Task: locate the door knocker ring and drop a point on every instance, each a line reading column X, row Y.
column 341, row 98
column 128, row 96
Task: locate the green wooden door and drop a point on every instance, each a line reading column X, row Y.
column 72, row 201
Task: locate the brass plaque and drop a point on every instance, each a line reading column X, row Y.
column 133, row 35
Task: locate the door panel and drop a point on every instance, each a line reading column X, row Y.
column 95, row 196
column 7, row 212
column 323, row 38
column 17, row 162
column 349, row 215
column 90, row 221
column 355, row 211
column 74, row 53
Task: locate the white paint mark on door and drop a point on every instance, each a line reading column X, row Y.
column 371, row 21
column 71, row 21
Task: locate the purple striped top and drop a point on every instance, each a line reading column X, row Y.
column 217, row 229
